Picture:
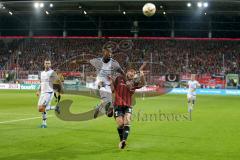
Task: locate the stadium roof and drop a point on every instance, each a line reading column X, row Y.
column 112, row 7
column 122, row 17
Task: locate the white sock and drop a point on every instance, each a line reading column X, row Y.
column 44, row 122
column 189, row 107
column 50, row 108
column 192, row 106
column 44, row 118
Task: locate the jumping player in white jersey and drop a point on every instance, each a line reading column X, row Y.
column 193, row 84
column 105, row 66
column 48, row 76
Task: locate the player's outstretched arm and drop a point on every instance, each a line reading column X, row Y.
column 143, row 66
column 198, row 85
column 96, row 62
column 142, row 76
column 142, row 79
column 92, row 61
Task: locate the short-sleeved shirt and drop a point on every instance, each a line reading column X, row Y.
column 47, row 78
column 105, row 69
column 192, row 86
column 123, row 94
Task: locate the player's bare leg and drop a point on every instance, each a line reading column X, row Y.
column 106, row 106
column 126, row 130
column 191, row 103
column 98, row 108
column 42, row 109
column 189, row 106
column 105, row 103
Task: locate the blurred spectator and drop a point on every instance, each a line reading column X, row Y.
column 163, row 56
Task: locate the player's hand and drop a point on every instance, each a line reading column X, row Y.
column 37, row 93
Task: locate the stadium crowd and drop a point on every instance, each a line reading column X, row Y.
column 164, row 56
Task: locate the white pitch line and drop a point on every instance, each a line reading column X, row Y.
column 25, row 119
column 17, row 114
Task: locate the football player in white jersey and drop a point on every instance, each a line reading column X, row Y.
column 105, row 66
column 47, row 77
column 193, row 84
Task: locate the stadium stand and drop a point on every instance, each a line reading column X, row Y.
column 164, row 56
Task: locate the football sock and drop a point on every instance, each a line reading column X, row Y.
column 120, row 133
column 126, row 130
column 189, row 107
column 44, row 118
column 55, row 95
column 59, row 98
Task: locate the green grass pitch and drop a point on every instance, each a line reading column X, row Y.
column 212, row 134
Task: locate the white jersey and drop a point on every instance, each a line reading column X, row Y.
column 47, row 78
column 104, row 69
column 192, row 86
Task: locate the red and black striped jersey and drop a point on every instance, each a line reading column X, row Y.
column 123, row 94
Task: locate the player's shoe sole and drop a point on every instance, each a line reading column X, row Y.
column 122, row 144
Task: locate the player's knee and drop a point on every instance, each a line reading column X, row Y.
column 120, row 125
column 120, row 122
column 127, row 122
column 41, row 108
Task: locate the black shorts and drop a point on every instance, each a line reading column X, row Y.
column 57, row 88
column 122, row 110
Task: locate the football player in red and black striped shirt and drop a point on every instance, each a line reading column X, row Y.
column 124, row 88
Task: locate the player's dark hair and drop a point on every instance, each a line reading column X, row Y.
column 130, row 67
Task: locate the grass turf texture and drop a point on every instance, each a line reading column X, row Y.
column 213, row 133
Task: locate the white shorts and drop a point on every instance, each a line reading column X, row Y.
column 45, row 98
column 191, row 97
